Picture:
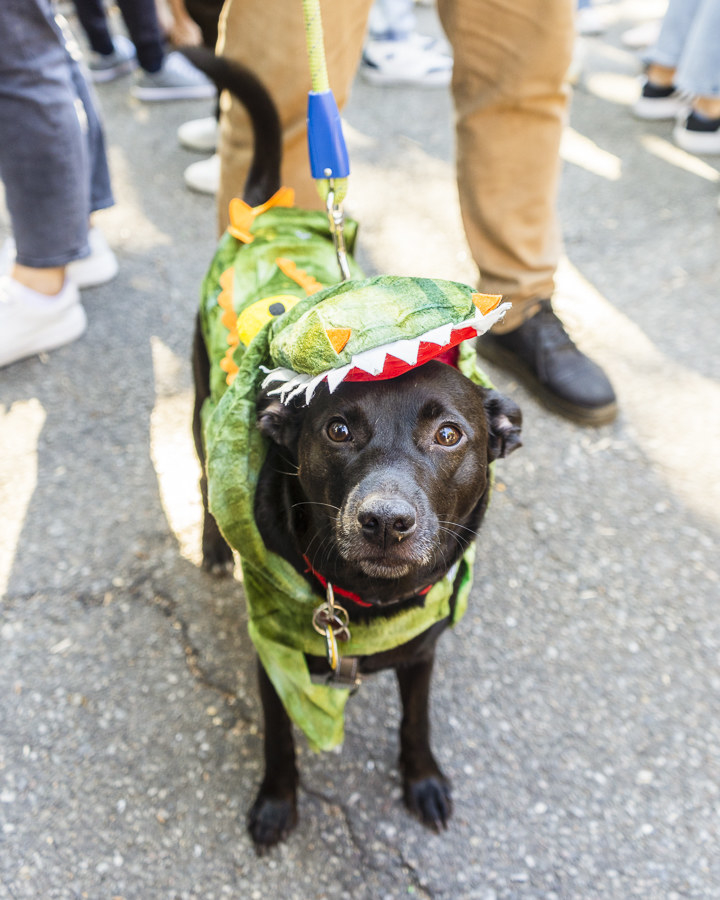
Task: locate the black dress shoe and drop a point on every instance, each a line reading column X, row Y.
column 542, row 355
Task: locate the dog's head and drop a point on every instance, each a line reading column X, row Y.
column 392, row 476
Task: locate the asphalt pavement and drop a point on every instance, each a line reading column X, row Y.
column 577, row 706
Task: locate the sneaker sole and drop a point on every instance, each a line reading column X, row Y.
column 102, row 76
column 658, row 110
column 98, row 270
column 432, row 80
column 156, row 94
column 60, row 333
column 198, row 146
column 583, row 415
column 703, row 143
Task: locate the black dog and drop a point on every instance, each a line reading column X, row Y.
column 379, row 487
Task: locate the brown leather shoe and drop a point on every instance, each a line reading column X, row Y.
column 543, row 356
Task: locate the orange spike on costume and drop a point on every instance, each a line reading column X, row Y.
column 229, row 321
column 242, row 216
column 338, row 337
column 486, row 302
column 309, row 284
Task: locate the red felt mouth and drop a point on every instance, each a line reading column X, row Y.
column 447, row 353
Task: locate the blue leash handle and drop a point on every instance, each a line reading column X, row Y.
column 326, row 142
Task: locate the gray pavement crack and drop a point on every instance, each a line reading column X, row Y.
column 359, row 845
column 193, row 659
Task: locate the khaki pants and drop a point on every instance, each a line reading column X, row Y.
column 510, row 60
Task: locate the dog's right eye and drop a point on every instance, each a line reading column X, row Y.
column 448, row 435
column 338, row 431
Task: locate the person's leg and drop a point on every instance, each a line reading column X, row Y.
column 698, row 68
column 164, row 76
column 112, row 55
column 660, row 97
column 143, row 25
column 93, row 19
column 698, row 74
column 45, row 158
column 252, row 32
column 44, row 154
column 511, row 101
column 674, row 31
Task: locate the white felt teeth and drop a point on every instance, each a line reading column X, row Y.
column 441, row 335
column 407, row 350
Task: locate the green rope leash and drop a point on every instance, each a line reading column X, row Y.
column 328, row 155
column 315, row 45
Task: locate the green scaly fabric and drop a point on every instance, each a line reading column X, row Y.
column 280, row 601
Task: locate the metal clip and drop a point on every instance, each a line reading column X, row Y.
column 346, row 675
column 337, row 229
column 333, row 623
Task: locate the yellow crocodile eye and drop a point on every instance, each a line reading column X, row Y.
column 252, row 319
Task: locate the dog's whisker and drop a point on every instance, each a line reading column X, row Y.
column 461, row 541
column 473, row 531
column 315, row 503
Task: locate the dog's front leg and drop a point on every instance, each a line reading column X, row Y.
column 425, row 788
column 274, row 812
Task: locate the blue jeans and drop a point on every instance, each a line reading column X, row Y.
column 52, row 149
column 689, row 42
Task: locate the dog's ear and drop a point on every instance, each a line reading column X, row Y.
column 504, row 425
column 278, row 421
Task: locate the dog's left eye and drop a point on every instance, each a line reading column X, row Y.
column 338, row 431
column 448, row 435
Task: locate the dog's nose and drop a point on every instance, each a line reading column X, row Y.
column 386, row 519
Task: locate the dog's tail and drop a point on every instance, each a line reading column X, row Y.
column 264, row 175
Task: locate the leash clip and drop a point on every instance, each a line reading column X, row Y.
column 332, row 621
column 336, row 218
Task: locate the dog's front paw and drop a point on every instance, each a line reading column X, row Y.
column 430, row 800
column 217, row 555
column 270, row 820
column 217, row 558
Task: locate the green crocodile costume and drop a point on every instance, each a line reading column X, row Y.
column 263, row 311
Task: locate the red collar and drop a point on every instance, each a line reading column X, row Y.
column 349, row 595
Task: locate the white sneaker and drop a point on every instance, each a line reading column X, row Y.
column 641, row 35
column 657, row 103
column 589, row 22
column 199, row 134
column 121, row 61
column 98, row 268
column 32, row 323
column 415, row 60
column 204, row 176
column 177, row 79
column 698, row 134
